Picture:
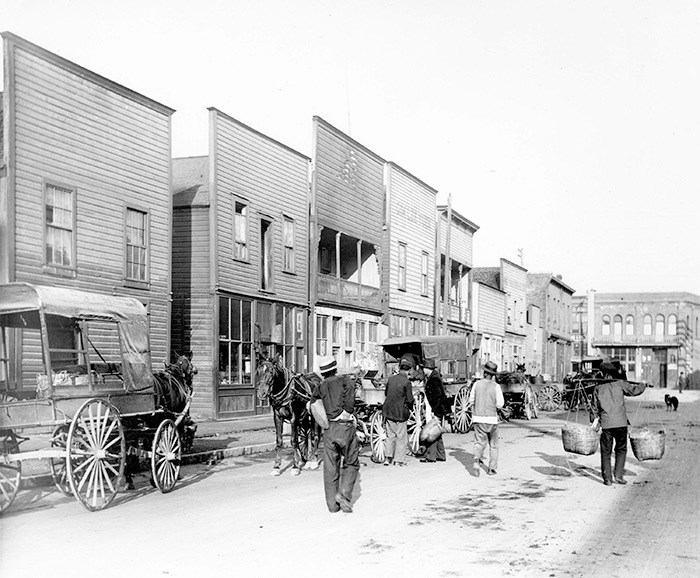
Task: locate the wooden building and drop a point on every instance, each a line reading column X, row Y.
column 488, row 317
column 347, row 212
column 409, row 253
column 240, row 263
column 84, row 190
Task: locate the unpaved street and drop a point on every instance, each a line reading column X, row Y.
column 546, row 513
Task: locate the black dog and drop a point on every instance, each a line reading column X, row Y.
column 671, row 402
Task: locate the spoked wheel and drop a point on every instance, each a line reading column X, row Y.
column 377, row 437
column 532, row 401
column 166, row 456
column 58, row 465
column 462, row 416
column 416, row 421
column 549, row 398
column 96, row 451
column 10, row 471
column 304, row 438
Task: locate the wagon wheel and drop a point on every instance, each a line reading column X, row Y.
column 10, row 471
column 58, row 465
column 532, row 400
column 377, row 437
column 549, row 398
column 303, row 438
column 166, row 456
column 462, row 416
column 96, row 449
column 529, row 405
column 416, row 421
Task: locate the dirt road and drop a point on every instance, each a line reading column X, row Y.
column 546, row 513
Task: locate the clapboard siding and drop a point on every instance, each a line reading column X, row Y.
column 338, row 201
column 75, row 129
column 412, row 221
column 193, row 302
column 490, row 309
column 273, row 180
column 461, row 242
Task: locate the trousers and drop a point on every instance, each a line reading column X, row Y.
column 607, row 437
column 339, row 442
column 486, row 433
column 435, row 451
column 396, row 440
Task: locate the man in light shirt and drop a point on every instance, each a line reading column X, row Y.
column 485, row 399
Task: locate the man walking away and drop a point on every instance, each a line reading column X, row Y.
column 609, row 412
column 435, row 394
column 396, row 410
column 339, row 440
column 485, row 399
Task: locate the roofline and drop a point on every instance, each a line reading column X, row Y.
column 318, row 119
column 412, row 176
column 514, row 264
column 85, row 73
column 444, row 208
column 253, row 130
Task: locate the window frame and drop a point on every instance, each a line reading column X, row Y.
column 50, row 266
column 267, row 253
column 289, row 250
column 629, row 325
column 606, row 328
column 647, row 324
column 401, row 266
column 133, row 281
column 425, row 273
column 245, row 221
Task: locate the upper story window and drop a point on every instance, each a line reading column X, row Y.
column 59, row 223
column 322, row 335
column 348, row 334
column 660, row 322
column 672, row 324
column 617, row 326
column 629, row 325
column 240, row 231
column 136, row 245
column 266, row 255
column 606, row 325
column 372, row 337
column 361, row 334
column 424, row 273
column 337, row 325
column 647, row 324
column 288, row 234
column 402, row 267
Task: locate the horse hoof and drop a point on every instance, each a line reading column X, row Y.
column 311, row 466
column 275, row 472
column 296, row 471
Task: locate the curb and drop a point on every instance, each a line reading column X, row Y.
column 210, row 456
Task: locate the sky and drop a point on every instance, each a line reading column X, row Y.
column 568, row 131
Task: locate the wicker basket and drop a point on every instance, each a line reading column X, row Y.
column 648, row 445
column 430, row 431
column 579, row 439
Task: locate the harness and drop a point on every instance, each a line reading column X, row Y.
column 285, row 395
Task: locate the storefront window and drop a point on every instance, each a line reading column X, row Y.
column 235, row 345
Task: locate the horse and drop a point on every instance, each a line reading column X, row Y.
column 288, row 394
column 173, row 392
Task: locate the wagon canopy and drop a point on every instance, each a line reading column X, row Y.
column 21, row 304
column 438, row 347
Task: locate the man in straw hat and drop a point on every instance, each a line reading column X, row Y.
column 608, row 411
column 339, row 439
column 485, row 399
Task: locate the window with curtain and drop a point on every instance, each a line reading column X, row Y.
column 266, row 255
column 402, row 267
column 136, row 245
column 240, row 231
column 606, row 325
column 288, row 234
column 629, row 325
column 322, row 335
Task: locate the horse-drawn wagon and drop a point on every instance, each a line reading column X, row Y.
column 519, row 398
column 78, row 364
column 452, row 361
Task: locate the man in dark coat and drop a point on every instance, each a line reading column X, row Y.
column 339, row 439
column 435, row 394
column 396, row 409
column 608, row 409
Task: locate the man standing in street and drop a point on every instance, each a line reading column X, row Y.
column 339, row 439
column 608, row 409
column 485, row 399
column 435, row 394
column 396, row 410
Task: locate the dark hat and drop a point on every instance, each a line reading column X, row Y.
column 409, row 360
column 608, row 367
column 490, row 368
column 429, row 363
column 326, row 365
column 405, row 364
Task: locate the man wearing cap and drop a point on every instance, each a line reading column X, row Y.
column 396, row 409
column 608, row 411
column 339, row 439
column 485, row 399
column 435, row 394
